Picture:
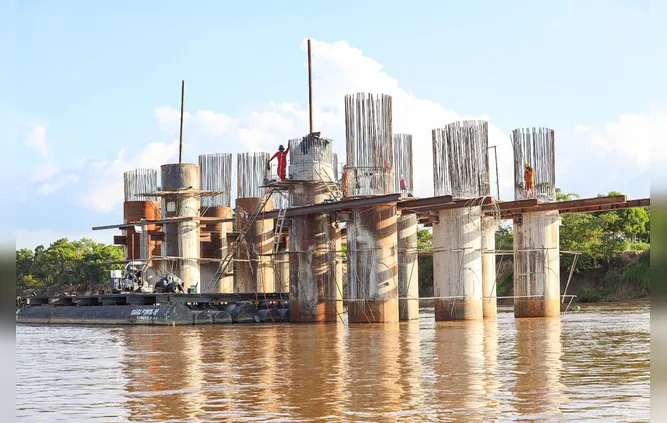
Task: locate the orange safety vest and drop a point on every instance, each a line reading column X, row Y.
column 529, row 174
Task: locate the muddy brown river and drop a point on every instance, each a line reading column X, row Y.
column 591, row 365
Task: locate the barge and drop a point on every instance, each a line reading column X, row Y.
column 158, row 309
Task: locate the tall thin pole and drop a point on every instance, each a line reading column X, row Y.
column 180, row 138
column 495, row 153
column 310, row 87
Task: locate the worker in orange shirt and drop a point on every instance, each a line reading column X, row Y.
column 529, row 176
column 281, row 155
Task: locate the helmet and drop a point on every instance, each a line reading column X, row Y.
column 281, row 148
column 527, row 165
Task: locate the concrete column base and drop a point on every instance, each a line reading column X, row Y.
column 373, row 311
column 302, row 312
column 408, row 309
column 536, row 307
column 450, row 309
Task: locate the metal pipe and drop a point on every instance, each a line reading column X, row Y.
column 310, row 87
column 180, row 138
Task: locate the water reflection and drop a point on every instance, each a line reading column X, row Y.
column 588, row 366
column 538, row 391
column 459, row 370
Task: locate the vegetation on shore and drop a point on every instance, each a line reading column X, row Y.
column 66, row 266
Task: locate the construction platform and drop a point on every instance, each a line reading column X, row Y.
column 155, row 309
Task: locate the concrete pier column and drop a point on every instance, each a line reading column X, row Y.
column 254, row 272
column 373, row 265
column 408, row 275
column 313, row 292
column 457, row 264
column 537, row 265
column 182, row 239
column 489, row 305
column 281, row 272
column 216, row 248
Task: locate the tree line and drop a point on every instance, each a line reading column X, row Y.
column 76, row 265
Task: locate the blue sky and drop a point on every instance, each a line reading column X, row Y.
column 92, row 74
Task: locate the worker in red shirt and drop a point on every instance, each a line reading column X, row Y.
column 281, row 154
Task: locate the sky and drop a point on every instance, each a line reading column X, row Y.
column 93, row 89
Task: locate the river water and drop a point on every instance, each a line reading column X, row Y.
column 591, row 365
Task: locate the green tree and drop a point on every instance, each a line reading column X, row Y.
column 24, row 260
column 600, row 236
column 79, row 264
column 425, row 244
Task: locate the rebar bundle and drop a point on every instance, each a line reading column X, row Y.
column 402, row 145
column 461, row 160
column 251, row 171
column 535, row 146
column 216, row 175
column 335, row 166
column 369, row 143
column 139, row 181
column 311, row 159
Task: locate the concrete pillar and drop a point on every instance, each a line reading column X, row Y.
column 313, row 240
column 255, row 275
column 183, row 238
column 281, row 272
column 457, row 264
column 489, row 305
column 537, row 265
column 216, row 248
column 373, row 265
column 408, row 275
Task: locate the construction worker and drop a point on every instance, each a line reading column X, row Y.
column 529, row 176
column 403, row 185
column 281, row 154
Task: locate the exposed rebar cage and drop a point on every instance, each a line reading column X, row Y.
column 335, row 166
column 535, row 146
column 311, row 159
column 251, row 170
column 137, row 182
column 216, row 175
column 461, row 160
column 369, row 143
column 402, row 145
column 280, row 199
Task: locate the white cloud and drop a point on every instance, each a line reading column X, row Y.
column 103, row 180
column 58, row 183
column 44, row 172
column 214, row 124
column 631, row 138
column 36, row 139
column 169, row 119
